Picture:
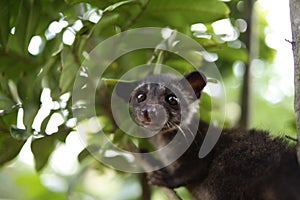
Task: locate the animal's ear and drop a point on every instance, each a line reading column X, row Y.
column 124, row 89
column 197, row 81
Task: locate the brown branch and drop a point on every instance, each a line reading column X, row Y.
column 291, row 42
column 295, row 24
column 146, row 190
column 171, row 194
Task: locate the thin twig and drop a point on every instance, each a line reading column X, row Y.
column 291, row 42
column 157, row 68
column 291, row 138
column 133, row 21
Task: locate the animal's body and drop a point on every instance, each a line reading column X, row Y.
column 244, row 164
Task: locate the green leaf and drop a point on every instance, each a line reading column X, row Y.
column 14, row 91
column 88, row 151
column 176, row 14
column 42, row 149
column 70, row 67
column 9, row 147
column 20, row 134
column 226, row 53
column 6, row 103
column 97, row 3
column 13, row 65
column 8, row 14
column 205, row 107
column 116, row 5
column 179, row 64
column 106, row 25
column 4, row 22
column 111, row 17
column 50, row 76
column 52, row 47
column 7, row 120
column 26, row 22
column 46, row 120
column 117, row 160
column 62, row 133
column 31, row 108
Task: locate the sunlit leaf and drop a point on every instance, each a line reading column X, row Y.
column 205, row 104
column 110, row 83
column 116, row 5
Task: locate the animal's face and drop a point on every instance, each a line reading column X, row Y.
column 155, row 106
column 161, row 102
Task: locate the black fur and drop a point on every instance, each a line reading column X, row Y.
column 244, row 164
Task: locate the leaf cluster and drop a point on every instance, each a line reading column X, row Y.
column 24, row 76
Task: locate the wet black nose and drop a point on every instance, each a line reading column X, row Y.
column 152, row 116
column 145, row 115
column 149, row 113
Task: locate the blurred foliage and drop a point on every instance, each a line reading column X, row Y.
column 62, row 34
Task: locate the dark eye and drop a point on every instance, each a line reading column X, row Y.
column 172, row 100
column 141, row 97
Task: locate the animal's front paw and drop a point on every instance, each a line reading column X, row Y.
column 162, row 178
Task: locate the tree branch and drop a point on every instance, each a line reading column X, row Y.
column 295, row 23
column 171, row 194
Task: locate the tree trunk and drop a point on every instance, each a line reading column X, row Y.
column 295, row 22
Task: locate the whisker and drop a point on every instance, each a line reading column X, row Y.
column 183, row 133
column 189, row 130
